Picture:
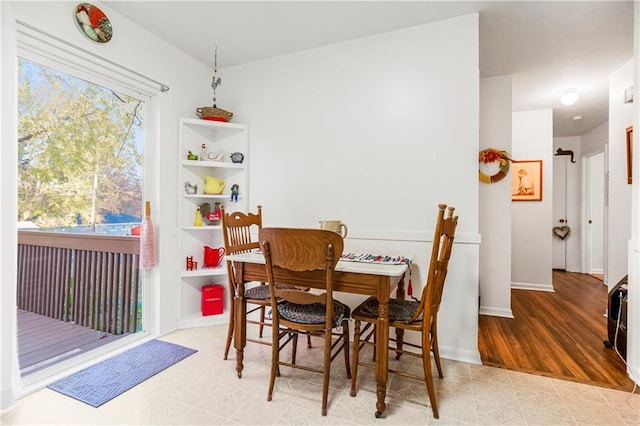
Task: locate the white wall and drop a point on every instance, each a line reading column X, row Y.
column 495, row 201
column 633, row 319
column 375, row 132
column 9, row 373
column 149, row 55
column 531, row 220
column 573, row 201
column 595, row 139
column 619, row 191
column 357, row 131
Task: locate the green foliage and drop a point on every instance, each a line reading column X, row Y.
column 77, row 149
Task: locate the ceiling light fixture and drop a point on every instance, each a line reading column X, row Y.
column 569, row 97
column 577, row 117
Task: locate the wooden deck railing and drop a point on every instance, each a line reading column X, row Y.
column 90, row 280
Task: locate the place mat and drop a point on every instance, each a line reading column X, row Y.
column 375, row 258
column 104, row 381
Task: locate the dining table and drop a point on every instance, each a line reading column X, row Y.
column 369, row 278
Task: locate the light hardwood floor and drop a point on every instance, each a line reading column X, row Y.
column 556, row 334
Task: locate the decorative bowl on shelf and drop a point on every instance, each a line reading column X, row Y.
column 214, row 114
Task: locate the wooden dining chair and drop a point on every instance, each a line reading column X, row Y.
column 412, row 315
column 291, row 255
column 238, row 231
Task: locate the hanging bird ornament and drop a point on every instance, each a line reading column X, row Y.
column 214, row 113
column 216, row 80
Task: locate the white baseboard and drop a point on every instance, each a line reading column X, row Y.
column 456, row 354
column 496, row 312
column 532, row 286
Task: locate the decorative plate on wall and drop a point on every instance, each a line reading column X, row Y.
column 93, row 22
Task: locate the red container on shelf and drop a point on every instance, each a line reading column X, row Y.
column 212, row 299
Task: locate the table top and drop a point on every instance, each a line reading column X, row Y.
column 342, row 266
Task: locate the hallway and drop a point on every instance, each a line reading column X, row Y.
column 556, row 334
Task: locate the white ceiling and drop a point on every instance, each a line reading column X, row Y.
column 546, row 46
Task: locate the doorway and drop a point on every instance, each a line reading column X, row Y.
column 594, row 250
column 80, row 184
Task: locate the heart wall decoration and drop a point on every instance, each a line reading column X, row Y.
column 561, row 232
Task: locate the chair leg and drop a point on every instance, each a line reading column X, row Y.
column 345, row 348
column 399, row 342
column 434, row 346
column 354, row 360
column 327, row 370
column 294, row 348
column 229, row 331
column 275, row 360
column 428, row 374
column 261, row 322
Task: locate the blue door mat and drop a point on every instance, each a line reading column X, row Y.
column 104, row 381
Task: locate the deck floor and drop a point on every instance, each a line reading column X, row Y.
column 44, row 341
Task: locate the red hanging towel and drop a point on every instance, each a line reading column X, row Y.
column 410, row 287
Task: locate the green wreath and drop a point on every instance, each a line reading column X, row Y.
column 491, row 155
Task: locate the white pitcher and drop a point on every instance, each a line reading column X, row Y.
column 334, row 225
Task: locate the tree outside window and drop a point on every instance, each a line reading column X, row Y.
column 79, row 151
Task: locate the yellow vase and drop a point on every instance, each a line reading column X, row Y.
column 213, row 186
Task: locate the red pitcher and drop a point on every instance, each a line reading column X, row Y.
column 213, row 256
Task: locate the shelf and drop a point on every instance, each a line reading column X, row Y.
column 218, row 137
column 216, row 164
column 214, row 124
column 219, row 197
column 202, row 228
column 205, row 272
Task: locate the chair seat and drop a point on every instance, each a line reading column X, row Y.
column 261, row 292
column 399, row 310
column 313, row 313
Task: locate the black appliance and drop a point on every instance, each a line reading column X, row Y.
column 617, row 317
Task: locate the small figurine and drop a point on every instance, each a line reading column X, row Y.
column 191, row 265
column 216, row 215
column 234, row 192
column 203, row 152
column 192, row 156
column 198, row 220
column 189, row 188
column 237, row 157
column 211, row 217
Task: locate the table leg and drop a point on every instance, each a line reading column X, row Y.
column 382, row 355
column 240, row 332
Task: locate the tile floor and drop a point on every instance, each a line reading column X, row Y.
column 205, row 390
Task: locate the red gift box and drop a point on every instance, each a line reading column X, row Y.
column 212, row 299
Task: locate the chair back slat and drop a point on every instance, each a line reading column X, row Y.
column 238, row 228
column 443, row 237
column 299, row 251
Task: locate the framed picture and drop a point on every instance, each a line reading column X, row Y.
column 526, row 180
column 629, row 153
